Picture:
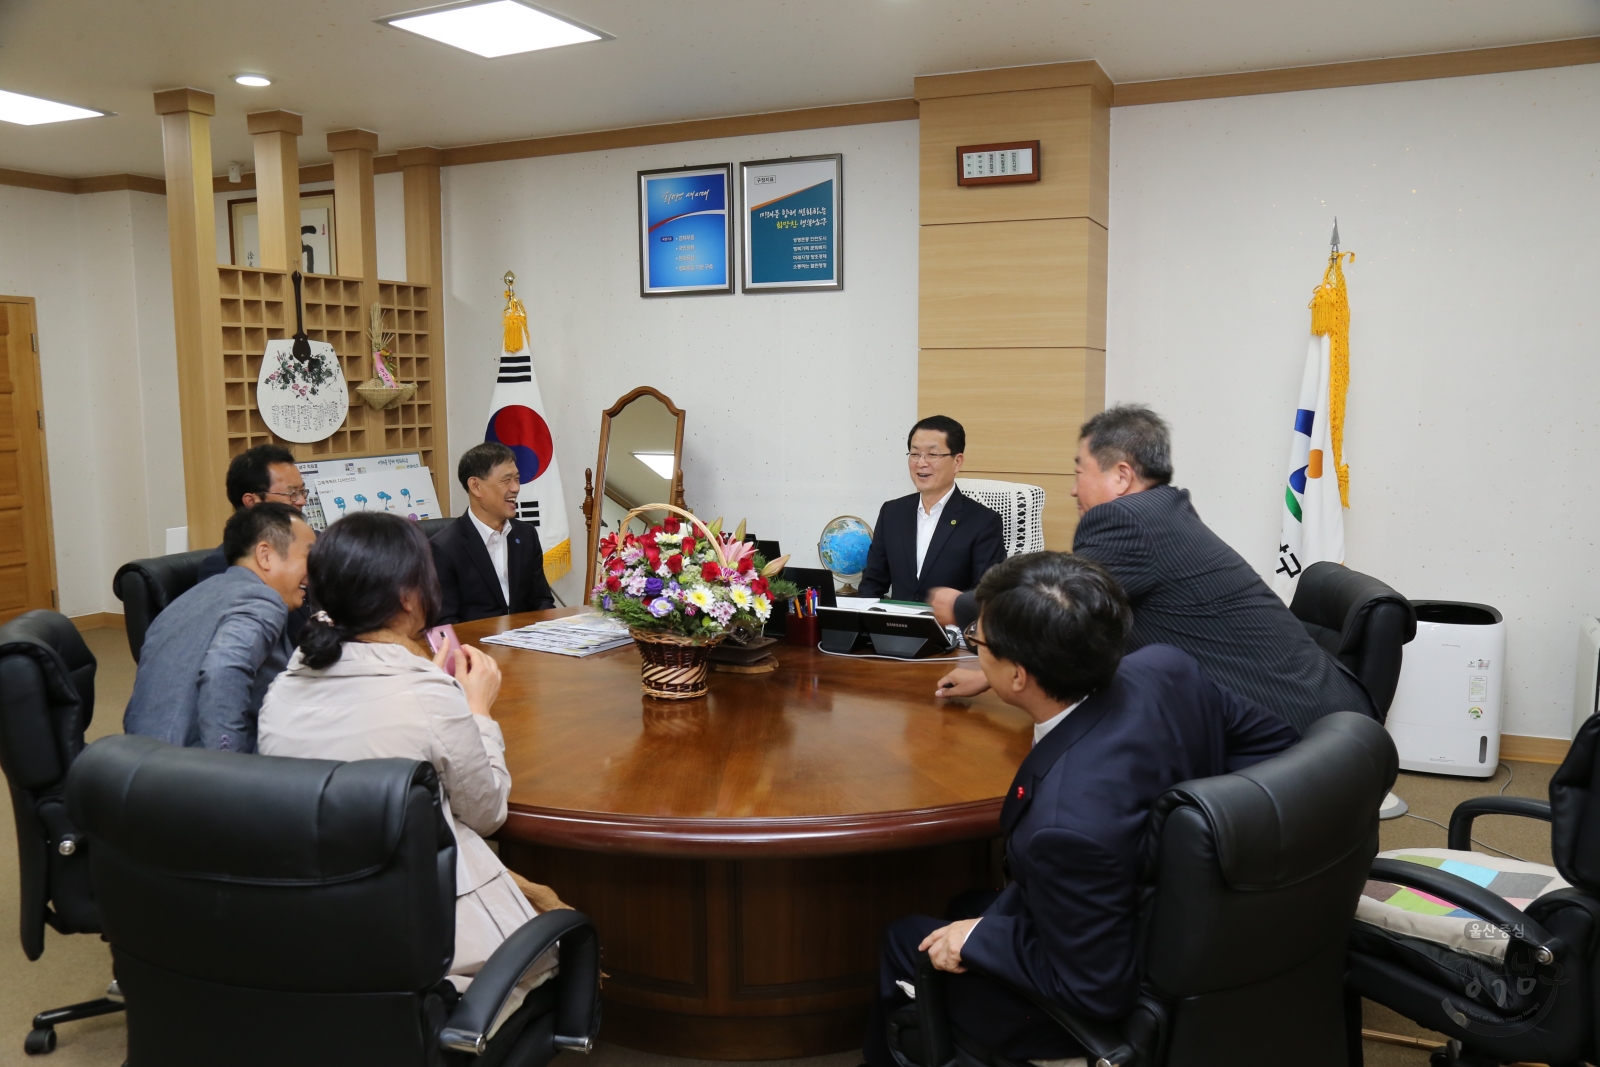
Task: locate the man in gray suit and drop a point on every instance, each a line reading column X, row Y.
column 1186, row 586
column 209, row 657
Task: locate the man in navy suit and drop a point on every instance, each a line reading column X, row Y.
column 936, row 536
column 490, row 563
column 1111, row 734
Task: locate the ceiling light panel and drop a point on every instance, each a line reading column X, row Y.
column 255, row 81
column 496, row 28
column 32, row 111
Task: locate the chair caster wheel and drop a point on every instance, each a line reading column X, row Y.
column 39, row 1042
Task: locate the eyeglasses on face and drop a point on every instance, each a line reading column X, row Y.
column 300, row 495
column 970, row 636
column 915, row 456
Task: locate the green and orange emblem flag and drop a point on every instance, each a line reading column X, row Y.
column 1318, row 486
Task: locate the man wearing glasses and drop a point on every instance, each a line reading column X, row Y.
column 263, row 474
column 935, row 537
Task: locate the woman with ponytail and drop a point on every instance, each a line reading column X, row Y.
column 363, row 685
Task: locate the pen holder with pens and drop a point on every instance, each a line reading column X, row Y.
column 802, row 625
column 803, row 630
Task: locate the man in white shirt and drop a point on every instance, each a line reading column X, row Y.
column 490, row 562
column 935, row 537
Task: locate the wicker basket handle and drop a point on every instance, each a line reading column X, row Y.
column 716, row 542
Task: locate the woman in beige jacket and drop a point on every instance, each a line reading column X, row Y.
column 363, row 685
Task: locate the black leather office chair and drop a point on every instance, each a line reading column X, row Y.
column 1251, row 882
column 1539, row 1004
column 147, row 586
column 433, row 527
column 268, row 911
column 1360, row 621
column 46, row 702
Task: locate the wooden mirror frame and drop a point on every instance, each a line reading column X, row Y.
column 596, row 478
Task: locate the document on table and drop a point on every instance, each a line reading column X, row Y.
column 575, row 635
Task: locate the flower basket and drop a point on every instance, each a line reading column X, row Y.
column 673, row 667
column 681, row 588
column 381, row 396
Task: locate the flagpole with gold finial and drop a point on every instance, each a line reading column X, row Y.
column 1330, row 317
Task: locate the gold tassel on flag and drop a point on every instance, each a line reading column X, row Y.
column 1330, row 316
column 516, row 320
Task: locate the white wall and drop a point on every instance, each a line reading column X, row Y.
column 797, row 404
column 1472, row 432
column 98, row 269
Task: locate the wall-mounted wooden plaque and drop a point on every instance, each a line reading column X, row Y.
column 998, row 164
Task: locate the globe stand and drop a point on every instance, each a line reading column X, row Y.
column 846, row 589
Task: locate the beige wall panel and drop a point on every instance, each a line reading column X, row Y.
column 1021, row 407
column 1038, row 284
column 1073, row 126
column 1060, row 507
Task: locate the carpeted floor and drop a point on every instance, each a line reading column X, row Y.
column 77, row 968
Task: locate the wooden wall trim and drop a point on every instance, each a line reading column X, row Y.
column 1533, row 749
column 1575, row 52
column 1362, row 72
column 100, row 183
column 811, row 118
column 1013, row 79
column 99, row 620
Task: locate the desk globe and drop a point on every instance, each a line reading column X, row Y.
column 842, row 548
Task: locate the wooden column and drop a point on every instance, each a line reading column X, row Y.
column 192, row 234
column 276, row 135
column 419, row 168
column 354, row 212
column 1012, row 312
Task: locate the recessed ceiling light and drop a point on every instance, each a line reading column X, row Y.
column 32, row 111
column 492, row 28
column 253, row 80
column 660, row 462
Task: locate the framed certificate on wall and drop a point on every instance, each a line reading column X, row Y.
column 685, row 231
column 793, row 223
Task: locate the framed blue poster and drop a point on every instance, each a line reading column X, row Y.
column 685, row 231
column 793, row 223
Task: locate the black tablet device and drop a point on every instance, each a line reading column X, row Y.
column 904, row 636
column 840, row 629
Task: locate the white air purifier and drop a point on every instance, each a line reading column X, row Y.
column 1445, row 718
column 1586, row 694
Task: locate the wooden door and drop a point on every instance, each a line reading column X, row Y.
column 27, row 547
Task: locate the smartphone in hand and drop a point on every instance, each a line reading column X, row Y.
column 445, row 637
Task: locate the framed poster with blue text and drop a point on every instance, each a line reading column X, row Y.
column 686, row 231
column 793, row 223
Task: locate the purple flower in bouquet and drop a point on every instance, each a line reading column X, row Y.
column 637, row 584
column 652, row 586
column 605, row 602
column 689, row 610
column 722, row 611
column 660, row 607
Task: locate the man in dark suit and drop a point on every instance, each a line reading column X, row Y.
column 1111, row 735
column 490, row 562
column 260, row 475
column 936, row 536
column 1187, row 587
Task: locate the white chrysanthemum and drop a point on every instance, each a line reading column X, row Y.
column 740, row 596
column 701, row 597
column 763, row 607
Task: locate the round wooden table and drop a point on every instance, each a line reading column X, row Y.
column 741, row 853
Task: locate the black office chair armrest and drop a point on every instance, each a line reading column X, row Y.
column 1103, row 1041
column 577, row 1006
column 1472, row 897
column 1468, row 810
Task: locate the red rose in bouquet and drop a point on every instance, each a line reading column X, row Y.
column 671, row 525
column 709, row 571
column 675, row 563
column 615, row 565
column 613, row 583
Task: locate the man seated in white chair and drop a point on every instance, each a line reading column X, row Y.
column 937, row 536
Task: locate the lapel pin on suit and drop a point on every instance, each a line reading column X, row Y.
column 952, row 522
